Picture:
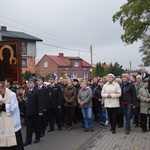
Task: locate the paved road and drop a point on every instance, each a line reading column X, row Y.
column 105, row 140
column 65, row 140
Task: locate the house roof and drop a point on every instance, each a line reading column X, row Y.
column 18, row 35
column 85, row 64
column 58, row 60
column 70, row 57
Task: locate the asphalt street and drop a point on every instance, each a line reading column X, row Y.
column 64, row 140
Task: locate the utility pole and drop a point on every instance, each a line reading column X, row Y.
column 91, row 60
column 130, row 65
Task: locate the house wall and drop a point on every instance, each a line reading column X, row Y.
column 31, row 54
column 52, row 67
column 31, row 49
column 30, row 65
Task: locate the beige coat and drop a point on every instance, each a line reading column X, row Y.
column 115, row 91
column 144, row 94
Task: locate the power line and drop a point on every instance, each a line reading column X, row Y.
column 61, row 47
column 99, row 57
column 70, row 49
column 36, row 28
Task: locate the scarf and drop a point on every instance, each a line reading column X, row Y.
column 69, row 87
column 7, row 133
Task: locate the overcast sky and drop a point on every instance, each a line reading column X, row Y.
column 74, row 25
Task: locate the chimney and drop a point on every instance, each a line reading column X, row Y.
column 61, row 54
column 3, row 28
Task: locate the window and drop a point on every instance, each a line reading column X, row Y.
column 24, row 62
column 76, row 64
column 85, row 75
column 46, row 64
column 73, row 75
column 24, row 48
column 56, row 74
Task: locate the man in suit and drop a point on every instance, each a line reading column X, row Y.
column 143, row 73
column 53, row 103
column 42, row 90
column 34, row 107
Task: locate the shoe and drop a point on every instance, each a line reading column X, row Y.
column 36, row 140
column 127, row 131
column 82, row 126
column 70, row 128
column 119, row 126
column 144, row 130
column 113, row 132
column 76, row 126
column 101, row 123
column 42, row 134
column 110, row 129
column 26, row 143
column 91, row 129
column 106, row 123
column 137, row 125
column 66, row 126
column 59, row 129
column 50, row 130
column 85, row 130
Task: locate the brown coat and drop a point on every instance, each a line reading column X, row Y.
column 70, row 96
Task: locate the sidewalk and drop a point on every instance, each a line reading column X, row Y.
column 105, row 140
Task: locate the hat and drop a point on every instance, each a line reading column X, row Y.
column 40, row 78
column 102, row 80
column 75, row 80
column 52, row 77
column 146, row 80
column 32, row 80
column 125, row 75
column 118, row 80
column 110, row 74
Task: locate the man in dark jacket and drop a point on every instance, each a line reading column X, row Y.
column 128, row 99
column 53, row 103
column 143, row 73
column 9, row 85
column 34, row 107
column 42, row 91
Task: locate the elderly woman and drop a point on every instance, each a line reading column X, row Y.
column 111, row 92
column 144, row 94
column 128, row 100
column 85, row 102
column 70, row 104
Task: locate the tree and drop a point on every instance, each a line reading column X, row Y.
column 27, row 75
column 116, row 69
column 47, row 76
column 145, row 49
column 134, row 17
column 100, row 70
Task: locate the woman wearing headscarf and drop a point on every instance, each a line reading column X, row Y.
column 144, row 94
column 111, row 92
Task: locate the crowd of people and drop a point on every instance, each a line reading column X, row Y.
column 107, row 100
